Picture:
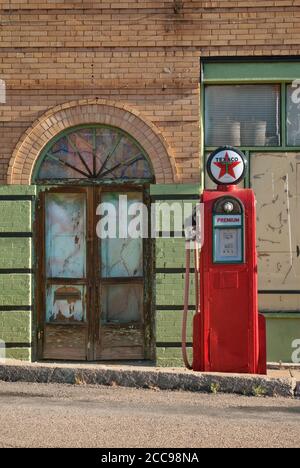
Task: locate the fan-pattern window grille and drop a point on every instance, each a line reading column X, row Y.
column 97, row 153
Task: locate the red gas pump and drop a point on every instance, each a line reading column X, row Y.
column 229, row 335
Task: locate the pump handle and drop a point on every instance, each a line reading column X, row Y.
column 186, row 297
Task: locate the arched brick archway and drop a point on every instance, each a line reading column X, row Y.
column 93, row 111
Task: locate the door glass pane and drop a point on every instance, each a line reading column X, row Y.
column 242, row 115
column 274, row 179
column 66, row 304
column 121, row 258
column 293, row 116
column 65, row 235
column 122, row 303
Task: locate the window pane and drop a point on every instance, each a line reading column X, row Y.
column 66, row 304
column 62, row 162
column 122, row 303
column 121, row 258
column 242, row 115
column 65, row 235
column 293, row 116
column 106, row 143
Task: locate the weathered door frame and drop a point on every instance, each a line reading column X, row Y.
column 93, row 282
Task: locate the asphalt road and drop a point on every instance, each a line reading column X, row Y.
column 35, row 415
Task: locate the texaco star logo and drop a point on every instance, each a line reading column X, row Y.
column 227, row 166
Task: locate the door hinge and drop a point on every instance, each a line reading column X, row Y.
column 38, row 203
column 40, row 334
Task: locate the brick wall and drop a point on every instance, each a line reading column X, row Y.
column 136, row 52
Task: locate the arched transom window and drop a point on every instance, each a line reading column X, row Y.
column 96, row 153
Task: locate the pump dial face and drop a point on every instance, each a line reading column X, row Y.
column 227, row 166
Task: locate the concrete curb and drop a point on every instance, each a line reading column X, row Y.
column 150, row 378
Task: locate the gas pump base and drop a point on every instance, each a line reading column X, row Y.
column 229, row 335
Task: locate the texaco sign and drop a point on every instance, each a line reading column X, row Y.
column 227, row 166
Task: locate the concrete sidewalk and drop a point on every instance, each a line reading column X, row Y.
column 284, row 382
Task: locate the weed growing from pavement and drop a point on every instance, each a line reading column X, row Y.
column 259, row 391
column 215, row 388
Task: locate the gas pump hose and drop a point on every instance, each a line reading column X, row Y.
column 186, row 298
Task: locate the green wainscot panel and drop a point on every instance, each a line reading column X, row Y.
column 15, row 289
column 170, row 289
column 15, row 326
column 21, row 354
column 174, row 189
column 171, row 215
column 170, row 253
column 15, row 252
column 17, row 190
column 15, row 216
column 169, row 326
column 171, row 357
column 283, row 338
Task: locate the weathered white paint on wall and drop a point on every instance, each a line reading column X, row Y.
column 274, row 178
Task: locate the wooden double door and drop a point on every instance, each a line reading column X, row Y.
column 93, row 292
